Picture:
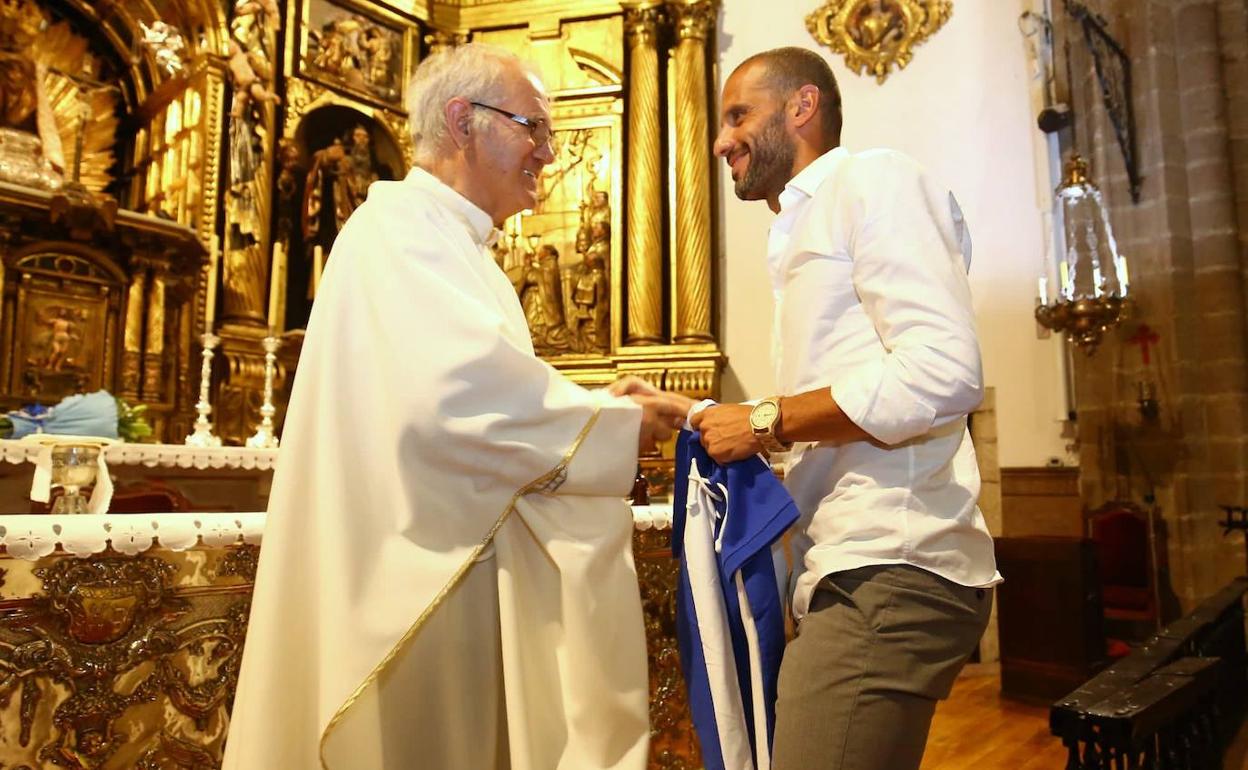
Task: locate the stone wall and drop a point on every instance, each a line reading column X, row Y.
column 1187, row 244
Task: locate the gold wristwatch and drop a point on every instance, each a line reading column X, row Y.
column 764, row 420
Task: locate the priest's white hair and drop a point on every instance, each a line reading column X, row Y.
column 473, row 71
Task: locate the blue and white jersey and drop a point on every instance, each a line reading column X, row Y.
column 730, row 612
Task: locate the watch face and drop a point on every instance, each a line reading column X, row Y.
column 763, row 415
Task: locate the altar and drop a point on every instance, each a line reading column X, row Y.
column 121, row 637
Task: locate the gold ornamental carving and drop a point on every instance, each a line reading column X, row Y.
column 672, row 742
column 693, row 173
column 441, row 40
column 876, row 35
column 694, row 18
column 645, row 182
column 102, row 645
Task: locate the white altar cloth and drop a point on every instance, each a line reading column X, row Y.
column 34, row 536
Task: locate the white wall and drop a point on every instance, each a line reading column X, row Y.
column 964, row 109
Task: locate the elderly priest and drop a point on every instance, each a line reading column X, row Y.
column 446, row 580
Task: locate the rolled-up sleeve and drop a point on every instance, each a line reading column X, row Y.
column 910, row 255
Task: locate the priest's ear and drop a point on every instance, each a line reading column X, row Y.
column 459, row 115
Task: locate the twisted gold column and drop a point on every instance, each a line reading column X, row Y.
column 644, row 276
column 693, row 173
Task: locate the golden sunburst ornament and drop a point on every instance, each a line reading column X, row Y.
column 61, row 51
column 875, row 35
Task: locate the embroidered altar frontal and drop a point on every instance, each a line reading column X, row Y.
column 121, row 637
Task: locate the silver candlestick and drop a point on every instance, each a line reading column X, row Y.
column 264, row 437
column 203, row 436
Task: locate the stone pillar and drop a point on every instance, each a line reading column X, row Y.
column 694, row 19
column 644, row 273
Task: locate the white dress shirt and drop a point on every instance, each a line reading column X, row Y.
column 868, row 262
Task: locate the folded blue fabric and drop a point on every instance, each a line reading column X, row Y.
column 89, row 414
column 749, row 509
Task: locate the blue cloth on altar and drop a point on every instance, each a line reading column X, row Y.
column 84, row 414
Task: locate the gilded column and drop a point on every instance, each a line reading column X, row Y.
column 693, row 172
column 644, row 274
column 154, row 351
column 132, row 337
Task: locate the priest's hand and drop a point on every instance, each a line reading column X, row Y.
column 659, row 416
column 633, row 385
column 726, row 432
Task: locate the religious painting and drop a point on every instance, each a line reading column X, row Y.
column 344, row 47
column 59, row 343
column 876, row 35
column 564, row 256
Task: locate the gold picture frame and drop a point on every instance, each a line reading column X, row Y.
column 361, row 51
column 876, row 35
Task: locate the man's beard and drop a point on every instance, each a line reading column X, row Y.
column 771, row 161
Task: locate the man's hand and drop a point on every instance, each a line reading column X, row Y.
column 659, row 416
column 726, row 432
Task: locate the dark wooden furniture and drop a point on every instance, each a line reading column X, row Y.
column 1048, row 615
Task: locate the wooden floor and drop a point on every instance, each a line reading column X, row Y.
column 977, row 728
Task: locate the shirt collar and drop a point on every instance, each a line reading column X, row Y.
column 807, row 181
column 479, row 223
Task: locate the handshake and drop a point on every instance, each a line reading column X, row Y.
column 661, row 412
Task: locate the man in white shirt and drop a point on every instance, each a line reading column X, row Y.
column 878, row 367
column 446, row 579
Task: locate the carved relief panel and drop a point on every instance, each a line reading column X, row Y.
column 66, row 324
column 343, row 46
column 565, row 257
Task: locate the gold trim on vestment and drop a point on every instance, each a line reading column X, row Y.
column 540, row 483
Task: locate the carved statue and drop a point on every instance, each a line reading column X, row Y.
column 339, row 43
column 541, row 296
column 590, row 288
column 340, row 174
column 251, row 69
column 375, row 45
column 166, row 45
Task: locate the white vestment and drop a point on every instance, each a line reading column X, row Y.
column 388, row 629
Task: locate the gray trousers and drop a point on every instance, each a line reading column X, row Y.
column 878, row 647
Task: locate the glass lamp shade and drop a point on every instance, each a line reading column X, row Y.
column 1091, row 266
column 1092, row 275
